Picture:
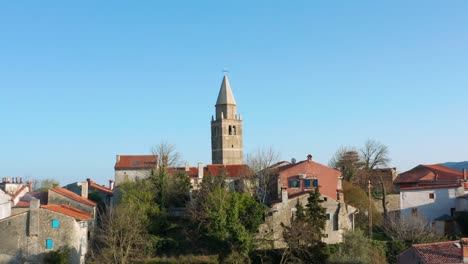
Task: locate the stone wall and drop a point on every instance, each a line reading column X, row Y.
column 24, row 236
column 341, row 217
column 131, row 175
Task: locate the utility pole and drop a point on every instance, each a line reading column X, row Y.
column 370, row 211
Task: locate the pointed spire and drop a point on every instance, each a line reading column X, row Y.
column 225, row 95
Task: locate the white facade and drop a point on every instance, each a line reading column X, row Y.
column 430, row 203
column 5, row 205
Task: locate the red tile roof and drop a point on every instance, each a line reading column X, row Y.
column 136, row 162
column 430, row 186
column 232, row 171
column 68, row 210
column 435, row 172
column 73, row 196
column 441, row 252
column 192, row 172
column 22, row 204
column 92, row 184
column 18, row 193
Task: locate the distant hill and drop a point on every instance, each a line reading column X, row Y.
column 456, row 165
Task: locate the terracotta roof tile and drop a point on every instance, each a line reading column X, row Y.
column 73, row 196
column 18, row 193
column 92, row 184
column 136, row 162
column 441, row 252
column 232, row 171
column 68, row 210
column 435, row 172
column 22, row 204
column 430, row 186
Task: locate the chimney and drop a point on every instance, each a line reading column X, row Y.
column 464, row 249
column 111, row 185
column 200, row 170
column 284, row 195
column 30, row 185
column 187, row 166
column 84, row 188
column 117, row 158
column 34, row 203
column 339, row 190
column 309, row 158
column 21, row 179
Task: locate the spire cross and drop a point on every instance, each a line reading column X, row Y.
column 225, row 71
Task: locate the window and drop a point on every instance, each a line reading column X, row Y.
column 431, row 196
column 230, row 130
column 328, row 216
column 49, row 243
column 136, row 163
column 55, row 223
column 307, row 183
column 234, row 130
column 414, row 211
column 294, row 183
column 325, row 199
column 452, row 211
column 315, row 183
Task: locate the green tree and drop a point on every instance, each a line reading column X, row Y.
column 357, row 197
column 229, row 219
column 357, row 248
column 304, row 236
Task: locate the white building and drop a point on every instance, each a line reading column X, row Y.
column 431, row 191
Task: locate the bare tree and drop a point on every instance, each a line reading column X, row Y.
column 121, row 235
column 168, row 156
column 261, row 161
column 410, row 229
column 347, row 160
column 374, row 154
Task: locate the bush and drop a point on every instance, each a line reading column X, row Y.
column 59, row 256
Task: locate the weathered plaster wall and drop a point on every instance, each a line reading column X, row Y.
column 131, row 175
column 27, row 235
column 444, row 200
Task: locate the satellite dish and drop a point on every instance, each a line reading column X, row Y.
column 293, row 161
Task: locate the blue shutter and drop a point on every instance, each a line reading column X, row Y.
column 55, row 223
column 294, row 184
column 49, row 243
column 315, row 182
column 307, row 183
column 328, row 216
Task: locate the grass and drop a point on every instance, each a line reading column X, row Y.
column 208, row 259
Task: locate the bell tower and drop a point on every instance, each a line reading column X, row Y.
column 226, row 129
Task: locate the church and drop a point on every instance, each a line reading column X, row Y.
column 226, row 148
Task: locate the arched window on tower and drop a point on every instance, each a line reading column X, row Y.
column 234, row 130
column 230, row 130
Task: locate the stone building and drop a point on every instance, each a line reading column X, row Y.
column 28, row 235
column 226, row 129
column 134, row 167
column 292, row 184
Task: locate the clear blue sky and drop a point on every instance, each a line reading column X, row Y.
column 82, row 81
